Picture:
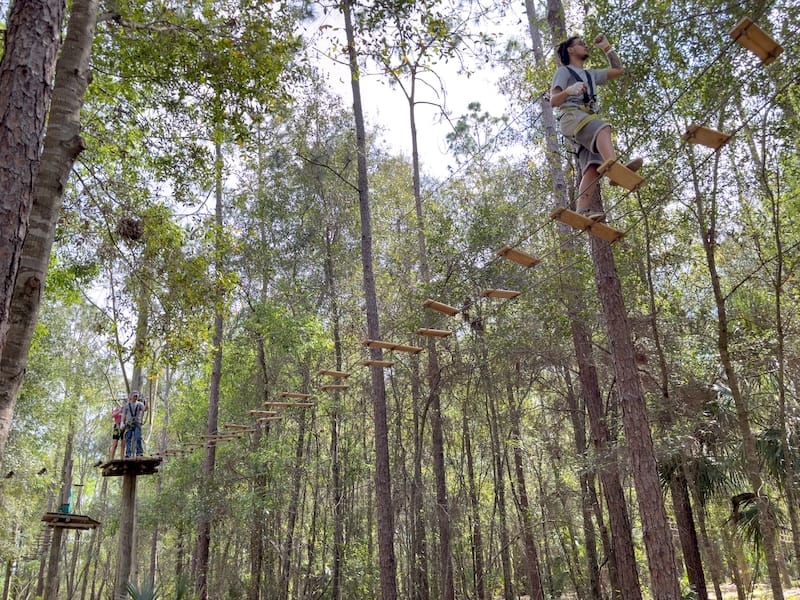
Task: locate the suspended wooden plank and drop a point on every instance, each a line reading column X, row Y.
column 502, row 294
column 263, row 413
column 755, row 39
column 377, row 363
column 391, row 346
column 573, row 219
column 289, row 404
column 267, row 419
column 334, row 388
column 295, row 395
column 697, row 134
column 332, row 373
column 518, row 256
column 620, row 174
column 441, row 307
column 433, row 332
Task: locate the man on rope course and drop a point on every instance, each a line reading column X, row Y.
column 573, row 93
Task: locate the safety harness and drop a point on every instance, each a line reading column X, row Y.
column 589, row 102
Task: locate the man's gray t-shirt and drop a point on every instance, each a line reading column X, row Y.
column 563, row 79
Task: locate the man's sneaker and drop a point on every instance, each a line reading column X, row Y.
column 594, row 215
column 633, row 165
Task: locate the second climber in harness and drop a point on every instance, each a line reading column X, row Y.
column 574, row 94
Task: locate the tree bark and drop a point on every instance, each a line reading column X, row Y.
column 535, row 589
column 209, row 459
column 475, row 509
column 62, row 145
column 383, row 488
column 27, row 69
column 655, row 527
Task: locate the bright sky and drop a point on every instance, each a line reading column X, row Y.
column 387, row 108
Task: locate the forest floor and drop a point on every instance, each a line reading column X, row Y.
column 761, row 592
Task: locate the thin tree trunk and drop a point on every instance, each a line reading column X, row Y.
column 525, row 511
column 576, row 414
column 419, row 547
column 383, row 489
column 209, row 460
column 475, row 509
column 62, row 144
column 706, row 220
column 27, row 69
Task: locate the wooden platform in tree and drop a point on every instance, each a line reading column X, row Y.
column 501, row 294
column 573, row 219
column 383, row 364
column 434, row 332
column 144, row 465
column 697, row 134
column 297, row 395
column 69, row 521
column 621, row 175
column 518, row 256
column 391, row 346
column 289, row 404
column 450, row 311
column 332, row 373
column 334, row 388
column 755, row 39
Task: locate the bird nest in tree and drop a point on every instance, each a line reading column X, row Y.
column 130, row 229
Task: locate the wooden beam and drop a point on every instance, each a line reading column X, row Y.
column 518, row 256
column 332, row 373
column 620, row 174
column 297, row 395
column 266, row 419
column 290, row 404
column 263, row 413
column 441, row 307
column 697, row 134
column 503, row 294
column 433, row 332
column 377, row 363
column 573, row 219
column 755, row 39
column 391, row 346
column 334, row 388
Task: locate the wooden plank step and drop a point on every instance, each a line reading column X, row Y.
column 384, row 364
column 263, row 413
column 289, row 404
column 697, row 134
column 433, row 332
column 450, row 311
column 334, row 388
column 518, row 256
column 295, row 395
column 391, row 346
column 620, row 174
column 755, row 39
column 499, row 293
column 573, row 219
column 269, row 419
column 332, row 373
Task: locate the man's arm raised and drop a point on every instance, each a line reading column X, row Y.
column 615, row 64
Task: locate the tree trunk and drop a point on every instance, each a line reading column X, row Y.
column 209, row 460
column 475, row 509
column 62, row 144
column 525, row 511
column 32, row 42
column 655, row 527
column 419, row 547
column 383, row 487
column 706, row 217
column 579, row 435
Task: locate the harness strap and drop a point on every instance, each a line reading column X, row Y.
column 589, row 81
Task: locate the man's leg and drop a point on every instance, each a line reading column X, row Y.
column 139, row 450
column 128, row 442
column 604, row 144
column 586, row 190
